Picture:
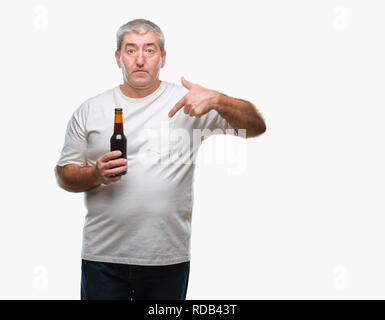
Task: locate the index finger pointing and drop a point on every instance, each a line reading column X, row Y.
column 179, row 105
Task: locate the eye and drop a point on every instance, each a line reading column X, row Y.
column 130, row 51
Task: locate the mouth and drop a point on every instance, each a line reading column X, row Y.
column 140, row 71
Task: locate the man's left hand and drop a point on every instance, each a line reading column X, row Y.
column 196, row 102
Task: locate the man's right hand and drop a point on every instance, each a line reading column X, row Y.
column 106, row 167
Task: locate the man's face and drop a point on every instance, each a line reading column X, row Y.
column 140, row 59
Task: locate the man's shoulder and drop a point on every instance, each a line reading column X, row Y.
column 101, row 97
column 176, row 89
column 176, row 86
column 93, row 102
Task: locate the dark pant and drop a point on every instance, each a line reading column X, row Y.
column 101, row 280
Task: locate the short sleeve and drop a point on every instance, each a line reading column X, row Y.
column 75, row 143
column 213, row 123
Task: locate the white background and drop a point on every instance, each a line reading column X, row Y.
column 304, row 219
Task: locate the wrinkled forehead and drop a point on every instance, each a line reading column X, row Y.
column 140, row 40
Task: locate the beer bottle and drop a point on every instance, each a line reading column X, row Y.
column 118, row 140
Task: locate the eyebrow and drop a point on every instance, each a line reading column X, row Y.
column 134, row 45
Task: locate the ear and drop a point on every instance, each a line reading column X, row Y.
column 117, row 57
column 163, row 58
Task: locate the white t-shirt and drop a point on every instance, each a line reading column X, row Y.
column 145, row 218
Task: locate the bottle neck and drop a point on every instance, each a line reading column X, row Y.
column 118, row 124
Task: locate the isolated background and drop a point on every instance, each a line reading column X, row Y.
column 304, row 219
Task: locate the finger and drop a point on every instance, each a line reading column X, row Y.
column 192, row 113
column 186, row 84
column 111, row 155
column 114, row 171
column 177, row 107
column 198, row 112
column 186, row 110
column 112, row 180
column 116, row 163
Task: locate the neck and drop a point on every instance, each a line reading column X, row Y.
column 132, row 92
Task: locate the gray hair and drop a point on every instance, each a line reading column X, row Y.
column 140, row 26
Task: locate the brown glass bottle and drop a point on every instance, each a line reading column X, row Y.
column 118, row 140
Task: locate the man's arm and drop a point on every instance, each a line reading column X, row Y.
column 240, row 114
column 74, row 178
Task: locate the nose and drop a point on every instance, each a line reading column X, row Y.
column 140, row 59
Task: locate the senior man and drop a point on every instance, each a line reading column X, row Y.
column 136, row 236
